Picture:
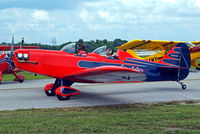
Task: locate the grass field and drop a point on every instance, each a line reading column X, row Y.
column 137, row 119
column 28, row 76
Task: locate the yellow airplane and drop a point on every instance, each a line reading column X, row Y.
column 162, row 47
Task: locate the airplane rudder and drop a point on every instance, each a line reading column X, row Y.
column 172, row 57
column 185, row 55
column 185, row 60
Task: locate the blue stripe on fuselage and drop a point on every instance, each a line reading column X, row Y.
column 146, row 63
column 4, row 60
column 92, row 64
column 152, row 71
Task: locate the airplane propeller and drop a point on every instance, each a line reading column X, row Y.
column 12, row 48
column 22, row 43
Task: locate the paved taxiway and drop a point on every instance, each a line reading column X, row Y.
column 30, row 94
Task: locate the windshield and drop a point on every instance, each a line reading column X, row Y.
column 101, row 50
column 70, row 48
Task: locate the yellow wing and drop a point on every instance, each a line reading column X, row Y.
column 195, row 42
column 149, row 44
column 156, row 57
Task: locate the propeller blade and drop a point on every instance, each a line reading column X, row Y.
column 22, row 43
column 12, row 48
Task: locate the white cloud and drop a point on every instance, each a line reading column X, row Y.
column 40, row 15
column 128, row 19
column 86, row 16
column 197, row 3
column 169, row 1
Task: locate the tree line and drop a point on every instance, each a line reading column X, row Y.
column 89, row 45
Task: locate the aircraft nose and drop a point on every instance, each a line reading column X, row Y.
column 195, row 49
column 21, row 55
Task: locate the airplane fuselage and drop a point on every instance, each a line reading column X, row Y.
column 59, row 64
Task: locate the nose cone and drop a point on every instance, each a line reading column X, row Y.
column 28, row 59
column 195, row 49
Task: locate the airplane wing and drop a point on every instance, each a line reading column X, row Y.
column 149, row 44
column 195, row 42
column 8, row 48
column 107, row 74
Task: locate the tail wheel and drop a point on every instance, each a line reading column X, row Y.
column 184, row 86
column 48, row 90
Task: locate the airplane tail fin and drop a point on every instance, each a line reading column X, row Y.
column 179, row 56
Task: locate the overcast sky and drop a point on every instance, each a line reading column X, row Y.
column 40, row 21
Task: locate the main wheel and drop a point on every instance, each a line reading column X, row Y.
column 61, row 98
column 184, row 86
column 48, row 90
column 21, row 80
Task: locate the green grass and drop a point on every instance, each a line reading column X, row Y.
column 28, row 76
column 139, row 119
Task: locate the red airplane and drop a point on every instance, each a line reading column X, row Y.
column 68, row 67
column 6, row 64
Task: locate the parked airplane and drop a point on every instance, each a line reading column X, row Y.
column 68, row 67
column 6, row 64
column 162, row 47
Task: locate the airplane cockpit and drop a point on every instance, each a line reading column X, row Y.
column 101, row 50
column 70, row 48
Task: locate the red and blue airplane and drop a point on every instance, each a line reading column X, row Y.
column 6, row 64
column 68, row 67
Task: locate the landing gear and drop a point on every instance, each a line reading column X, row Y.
column 19, row 78
column 198, row 68
column 65, row 92
column 48, row 90
column 61, row 98
column 182, row 85
column 61, row 88
column 0, row 80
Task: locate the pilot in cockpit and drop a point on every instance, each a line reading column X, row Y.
column 110, row 55
column 81, row 50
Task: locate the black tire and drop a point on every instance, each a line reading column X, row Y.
column 50, row 93
column 21, row 80
column 184, row 86
column 61, row 98
column 198, row 68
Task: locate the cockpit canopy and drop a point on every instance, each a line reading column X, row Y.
column 101, row 50
column 70, row 48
